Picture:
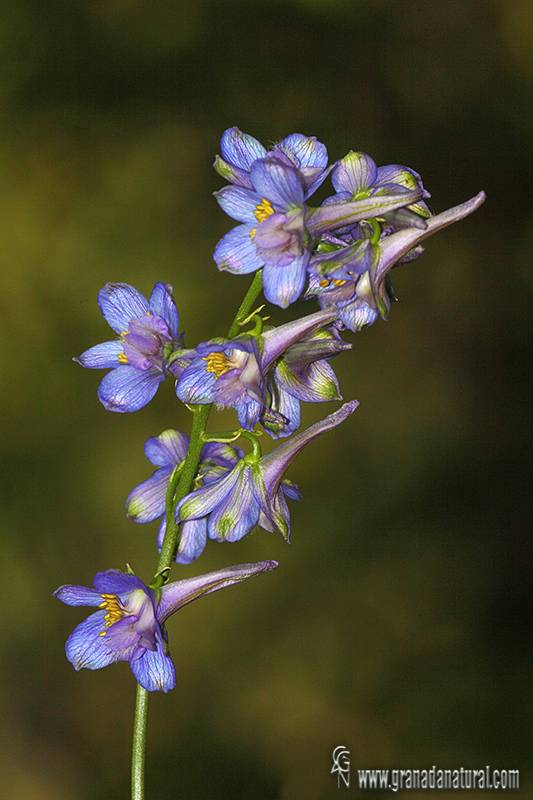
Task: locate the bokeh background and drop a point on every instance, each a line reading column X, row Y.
column 399, row 621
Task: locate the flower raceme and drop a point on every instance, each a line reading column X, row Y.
column 130, row 622
column 138, row 361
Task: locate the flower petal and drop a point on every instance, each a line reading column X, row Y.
column 277, row 183
column 78, row 596
column 196, row 385
column 114, row 582
column 85, row 648
column 147, row 501
column 101, row 356
column 236, row 252
column 355, row 173
column 127, row 389
column 193, row 538
column 120, row 303
column 168, row 449
column 240, row 148
column 162, row 305
column 155, row 670
column 284, row 285
column 238, row 203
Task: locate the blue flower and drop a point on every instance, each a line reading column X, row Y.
column 253, row 492
column 242, row 373
column 129, row 625
column 304, row 153
column 355, row 279
column 146, row 502
column 302, row 373
column 139, row 359
column 279, row 232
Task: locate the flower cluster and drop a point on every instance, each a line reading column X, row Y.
column 341, row 253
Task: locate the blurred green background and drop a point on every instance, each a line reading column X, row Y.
column 399, row 621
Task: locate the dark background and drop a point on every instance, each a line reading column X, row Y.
column 399, row 621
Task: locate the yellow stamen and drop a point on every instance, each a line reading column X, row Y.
column 324, row 283
column 252, row 234
column 114, row 608
column 123, row 358
column 337, row 282
column 263, row 210
column 216, row 363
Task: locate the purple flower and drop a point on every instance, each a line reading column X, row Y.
column 234, row 372
column 355, row 279
column 304, row 153
column 302, row 373
column 226, row 372
column 139, row 359
column 254, row 492
column 279, row 232
column 146, row 502
column 356, row 176
column 129, row 625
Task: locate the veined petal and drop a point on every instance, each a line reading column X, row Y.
column 85, row 648
column 236, row 514
column 278, row 183
column 176, row 595
column 78, row 596
column 307, row 149
column 283, row 285
column 196, row 385
column 240, row 148
column 120, row 303
column 236, row 252
column 248, row 413
column 232, row 173
column 128, row 389
column 355, row 173
column 168, row 449
column 101, row 356
column 238, row 203
column 162, row 305
column 192, row 541
column 155, row 670
column 203, row 500
column 336, row 215
column 147, row 501
column 317, row 383
column 114, row 582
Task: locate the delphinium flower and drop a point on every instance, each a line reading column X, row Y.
column 240, row 150
column 130, row 622
column 355, row 280
column 278, row 231
column 301, row 374
column 138, row 360
column 167, row 451
column 236, row 373
column 254, row 491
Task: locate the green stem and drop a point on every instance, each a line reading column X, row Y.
column 184, row 480
column 139, row 740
